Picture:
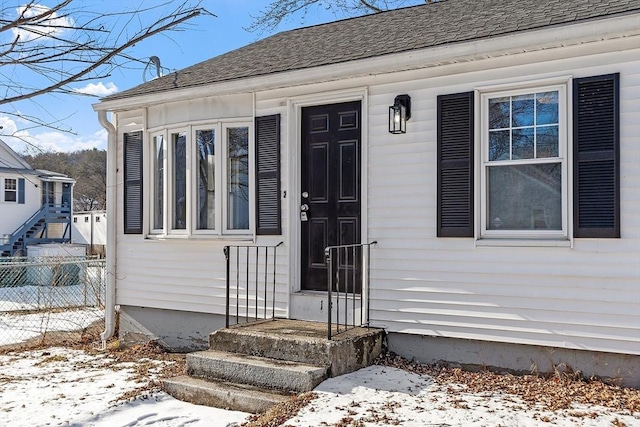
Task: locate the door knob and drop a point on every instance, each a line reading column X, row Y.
column 304, row 207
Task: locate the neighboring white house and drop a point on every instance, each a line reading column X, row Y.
column 35, row 205
column 507, row 216
column 89, row 228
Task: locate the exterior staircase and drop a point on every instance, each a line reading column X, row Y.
column 50, row 224
column 251, row 367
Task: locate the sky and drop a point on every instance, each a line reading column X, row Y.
column 202, row 38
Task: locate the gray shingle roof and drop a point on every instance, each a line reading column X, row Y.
column 418, row 27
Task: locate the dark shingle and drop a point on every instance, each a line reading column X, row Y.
column 418, row 27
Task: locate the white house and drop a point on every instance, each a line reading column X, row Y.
column 35, row 205
column 506, row 215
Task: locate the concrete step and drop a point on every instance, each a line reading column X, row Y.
column 303, row 342
column 255, row 370
column 220, row 394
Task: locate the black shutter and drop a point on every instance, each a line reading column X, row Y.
column 133, row 183
column 455, row 165
column 596, row 156
column 268, row 175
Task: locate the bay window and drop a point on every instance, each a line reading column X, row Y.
column 200, row 184
column 209, row 179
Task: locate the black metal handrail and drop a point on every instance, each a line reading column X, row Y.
column 351, row 270
column 254, row 272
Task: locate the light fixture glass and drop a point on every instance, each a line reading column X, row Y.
column 399, row 113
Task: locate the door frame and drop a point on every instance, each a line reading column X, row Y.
column 294, row 130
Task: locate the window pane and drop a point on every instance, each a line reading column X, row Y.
column 238, row 178
column 499, row 145
column 547, row 142
column 205, row 143
column 522, row 143
column 10, row 190
column 179, row 146
column 547, row 108
column 158, row 182
column 499, row 112
column 525, row 197
column 522, row 110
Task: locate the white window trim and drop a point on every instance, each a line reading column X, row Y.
column 221, row 230
column 486, row 237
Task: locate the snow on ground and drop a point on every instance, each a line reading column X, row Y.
column 64, row 387
column 28, row 297
column 17, row 328
column 381, row 395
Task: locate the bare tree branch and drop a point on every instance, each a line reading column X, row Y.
column 46, row 50
column 24, row 20
column 370, row 6
column 108, row 53
column 280, row 10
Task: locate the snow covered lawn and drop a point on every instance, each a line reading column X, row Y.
column 62, row 387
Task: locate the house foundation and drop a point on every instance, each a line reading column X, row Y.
column 622, row 369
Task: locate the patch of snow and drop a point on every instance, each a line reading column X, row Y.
column 18, row 328
column 380, row 395
column 61, row 387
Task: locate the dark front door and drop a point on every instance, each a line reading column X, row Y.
column 331, row 194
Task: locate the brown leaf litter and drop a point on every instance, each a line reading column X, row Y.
column 544, row 392
column 551, row 392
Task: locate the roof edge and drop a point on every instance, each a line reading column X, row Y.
column 615, row 27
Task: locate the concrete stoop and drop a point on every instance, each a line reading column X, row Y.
column 251, row 367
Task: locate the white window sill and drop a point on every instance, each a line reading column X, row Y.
column 166, row 237
column 551, row 243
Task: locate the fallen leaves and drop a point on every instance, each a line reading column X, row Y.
column 544, row 392
column 280, row 413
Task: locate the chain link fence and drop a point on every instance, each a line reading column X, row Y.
column 50, row 300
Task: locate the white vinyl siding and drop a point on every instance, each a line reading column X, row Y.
column 581, row 297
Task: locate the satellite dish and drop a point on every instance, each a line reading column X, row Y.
column 155, row 61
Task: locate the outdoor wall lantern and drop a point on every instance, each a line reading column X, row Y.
column 399, row 113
